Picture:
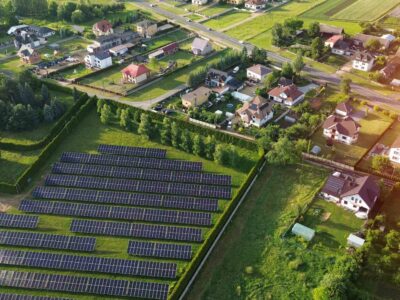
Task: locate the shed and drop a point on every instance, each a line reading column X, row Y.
column 241, row 97
column 355, row 241
column 303, row 231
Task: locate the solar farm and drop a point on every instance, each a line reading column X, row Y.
column 159, row 209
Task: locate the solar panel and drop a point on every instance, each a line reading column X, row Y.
column 27, row 297
column 49, row 241
column 116, row 212
column 183, row 189
column 88, row 264
column 83, row 285
column 146, row 231
column 133, row 151
column 114, row 197
column 142, row 174
column 160, row 250
column 128, row 161
column 18, row 221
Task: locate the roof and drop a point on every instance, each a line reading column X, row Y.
column 305, row 232
column 135, row 70
column 364, row 38
column 284, row 81
column 13, row 29
column 199, row 43
column 345, row 126
column 391, row 68
column 344, row 106
column 103, row 26
column 330, row 29
column 342, row 45
column 41, row 30
column 388, row 37
column 259, row 70
column 334, row 39
column 396, row 143
column 255, row 2
column 291, row 92
column 101, row 55
column 355, row 241
column 145, row 23
column 121, row 47
column 199, row 92
column 363, row 56
column 234, row 83
column 170, row 47
column 25, row 51
column 257, row 108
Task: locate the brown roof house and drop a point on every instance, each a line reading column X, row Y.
column 343, row 109
column 29, row 55
column 196, row 97
column 344, row 130
column 135, row 73
column 102, row 27
column 357, row 194
column 257, row 72
column 329, row 30
column 289, row 95
column 257, row 112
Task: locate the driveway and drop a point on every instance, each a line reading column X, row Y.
column 305, row 89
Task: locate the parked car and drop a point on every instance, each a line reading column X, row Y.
column 158, row 107
column 236, row 69
column 167, row 111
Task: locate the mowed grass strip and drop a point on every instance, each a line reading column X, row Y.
column 366, row 10
column 227, row 19
column 327, row 9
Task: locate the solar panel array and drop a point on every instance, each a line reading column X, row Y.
column 114, row 197
column 116, row 212
column 89, row 285
column 18, row 221
column 160, row 250
column 134, row 151
column 128, row 161
column 183, row 189
column 26, row 297
column 142, row 174
column 146, row 231
column 50, row 241
column 88, row 264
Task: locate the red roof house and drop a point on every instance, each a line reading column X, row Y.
column 102, row 27
column 135, row 73
column 289, row 95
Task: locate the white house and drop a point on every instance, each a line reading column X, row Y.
column 199, row 2
column 344, row 130
column 343, row 109
column 289, row 95
column 99, row 60
column 257, row 72
column 363, row 61
column 357, row 194
column 201, row 47
column 255, row 5
column 256, row 112
column 394, row 151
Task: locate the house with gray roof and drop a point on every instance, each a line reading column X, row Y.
column 201, row 47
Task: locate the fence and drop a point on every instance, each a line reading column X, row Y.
column 327, row 162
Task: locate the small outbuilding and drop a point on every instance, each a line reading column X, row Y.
column 303, row 231
column 355, row 241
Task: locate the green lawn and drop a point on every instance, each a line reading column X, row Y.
column 165, row 39
column 282, row 268
column 227, row 19
column 76, row 72
column 366, row 10
column 327, row 9
column 13, row 66
column 216, row 9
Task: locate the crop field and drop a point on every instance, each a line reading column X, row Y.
column 216, row 9
column 227, row 19
column 86, row 139
column 327, row 9
column 366, row 10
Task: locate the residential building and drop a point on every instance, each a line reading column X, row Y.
column 342, row 47
column 196, row 97
column 394, row 151
column 121, row 49
column 165, row 51
column 255, row 5
column 357, row 194
column 29, row 55
column 201, row 47
column 42, row 32
column 257, row 72
column 344, row 130
column 15, row 30
column 146, row 28
column 106, row 42
column 199, row 2
column 343, row 109
column 391, row 68
column 135, row 73
column 331, row 42
column 102, row 27
column 289, row 95
column 361, row 40
column 98, row 60
column 363, row 61
column 235, row 2
column 216, row 78
column 257, row 112
column 329, row 30
column 27, row 39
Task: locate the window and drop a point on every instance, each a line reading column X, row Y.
column 354, row 206
column 345, row 202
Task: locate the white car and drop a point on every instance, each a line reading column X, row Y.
column 236, row 69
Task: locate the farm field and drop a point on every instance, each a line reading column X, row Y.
column 226, row 20
column 216, row 9
column 86, row 138
column 365, row 10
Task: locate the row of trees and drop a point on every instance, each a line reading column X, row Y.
column 285, row 34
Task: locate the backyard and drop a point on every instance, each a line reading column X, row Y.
column 226, row 20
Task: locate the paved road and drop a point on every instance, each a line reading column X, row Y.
column 374, row 97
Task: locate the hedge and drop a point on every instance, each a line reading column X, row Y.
column 57, row 127
column 23, row 181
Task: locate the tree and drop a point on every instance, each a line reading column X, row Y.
column 373, row 45
column 292, row 25
column 77, row 16
column 105, row 114
column 380, row 163
column 48, row 114
column 53, row 9
column 272, row 79
column 186, row 142
column 45, row 94
column 278, row 38
column 124, row 119
column 287, row 70
column 345, row 86
column 244, row 57
column 166, row 131
column 210, row 147
column 198, row 145
column 317, row 48
column 283, row 152
column 233, row 156
column 75, row 94
column 298, row 64
column 221, row 156
column 313, row 29
column 100, row 104
column 175, row 135
column 145, row 126
column 269, row 135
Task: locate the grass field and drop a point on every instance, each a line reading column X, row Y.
column 86, row 139
column 216, row 9
column 173, row 36
column 365, row 10
column 226, row 20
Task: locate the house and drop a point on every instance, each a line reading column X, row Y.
column 357, row 194
column 98, row 60
column 29, row 40
column 257, row 112
column 342, row 47
column 330, row 30
column 121, row 49
column 255, row 5
column 257, row 72
column 289, row 94
column 283, row 81
column 199, row 2
column 362, row 40
column 42, row 32
column 102, row 27
column 135, row 73
column 201, row 47
column 331, row 42
column 388, row 37
column 394, row 151
column 15, row 30
column 344, row 130
column 363, row 61
column 391, row 68
column 29, row 55
column 343, row 109
column 216, row 78
column 235, row 2
column 146, row 28
column 165, row 51
column 106, row 42
column 196, row 97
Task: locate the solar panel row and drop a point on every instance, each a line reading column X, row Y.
column 147, row 231
column 87, row 264
column 183, row 189
column 142, row 174
column 126, row 161
column 116, row 212
column 26, row 297
column 134, row 151
column 87, row 285
column 160, row 250
column 113, row 197
column 18, row 221
column 50, row 241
